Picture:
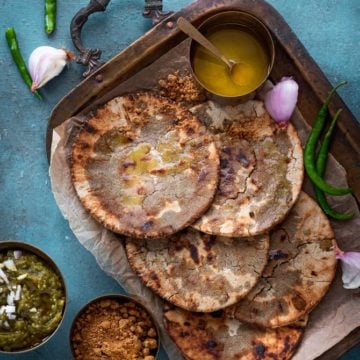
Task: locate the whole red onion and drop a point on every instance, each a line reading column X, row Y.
column 281, row 100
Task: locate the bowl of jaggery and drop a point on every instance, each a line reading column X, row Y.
column 114, row 327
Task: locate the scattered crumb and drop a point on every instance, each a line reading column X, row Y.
column 181, row 88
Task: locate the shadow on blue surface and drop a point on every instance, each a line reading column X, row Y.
column 353, row 354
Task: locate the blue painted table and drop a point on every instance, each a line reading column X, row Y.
column 328, row 28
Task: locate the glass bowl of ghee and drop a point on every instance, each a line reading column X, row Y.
column 242, row 38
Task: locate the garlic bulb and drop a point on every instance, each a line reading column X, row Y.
column 45, row 63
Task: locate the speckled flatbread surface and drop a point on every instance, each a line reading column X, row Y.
column 197, row 271
column 261, row 169
column 301, row 268
column 144, row 166
column 214, row 337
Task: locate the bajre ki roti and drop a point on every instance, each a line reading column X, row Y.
column 261, row 169
column 301, row 267
column 214, row 337
column 197, row 271
column 144, row 166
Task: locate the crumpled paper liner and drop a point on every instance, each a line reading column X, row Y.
column 334, row 318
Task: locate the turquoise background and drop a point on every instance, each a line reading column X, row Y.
column 329, row 29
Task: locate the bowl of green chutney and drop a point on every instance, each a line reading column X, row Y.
column 32, row 297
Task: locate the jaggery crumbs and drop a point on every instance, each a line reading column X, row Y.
column 109, row 330
column 181, row 88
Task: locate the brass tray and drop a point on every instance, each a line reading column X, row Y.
column 291, row 58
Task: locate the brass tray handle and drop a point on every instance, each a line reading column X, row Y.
column 87, row 57
column 91, row 57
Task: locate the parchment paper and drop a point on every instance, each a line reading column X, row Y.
column 336, row 316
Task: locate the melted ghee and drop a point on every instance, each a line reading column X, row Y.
column 132, row 200
column 143, row 163
column 240, row 46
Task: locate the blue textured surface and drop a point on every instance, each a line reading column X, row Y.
column 328, row 29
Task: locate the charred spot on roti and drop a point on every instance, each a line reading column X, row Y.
column 90, row 129
column 298, row 302
column 259, row 350
column 184, row 334
column 194, row 253
column 209, row 241
column 84, row 146
column 153, row 276
column 261, row 169
column 217, row 337
column 147, row 226
column 301, row 267
column 210, row 257
column 144, row 166
column 197, row 271
column 217, row 314
column 211, row 344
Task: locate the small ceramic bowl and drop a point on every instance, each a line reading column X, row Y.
column 22, row 246
column 120, row 299
column 252, row 25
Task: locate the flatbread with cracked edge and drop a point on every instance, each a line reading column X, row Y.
column 261, row 169
column 144, row 166
column 214, row 337
column 197, row 271
column 301, row 268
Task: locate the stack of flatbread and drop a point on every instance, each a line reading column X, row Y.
column 210, row 205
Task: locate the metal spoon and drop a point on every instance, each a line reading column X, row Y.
column 186, row 27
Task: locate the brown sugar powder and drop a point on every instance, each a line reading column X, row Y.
column 109, row 330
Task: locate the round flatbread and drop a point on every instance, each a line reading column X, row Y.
column 301, row 268
column 261, row 169
column 144, row 166
column 197, row 271
column 214, row 337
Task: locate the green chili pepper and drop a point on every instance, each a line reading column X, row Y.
column 50, row 16
column 320, row 168
column 310, row 149
column 18, row 59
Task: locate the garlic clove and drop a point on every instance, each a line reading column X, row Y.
column 280, row 101
column 45, row 63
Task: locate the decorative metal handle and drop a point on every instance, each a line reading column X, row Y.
column 87, row 57
column 153, row 10
column 91, row 57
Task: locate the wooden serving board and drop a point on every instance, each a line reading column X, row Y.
column 291, row 58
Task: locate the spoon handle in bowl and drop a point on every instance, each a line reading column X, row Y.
column 186, row 27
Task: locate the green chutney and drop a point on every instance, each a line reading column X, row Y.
column 32, row 300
